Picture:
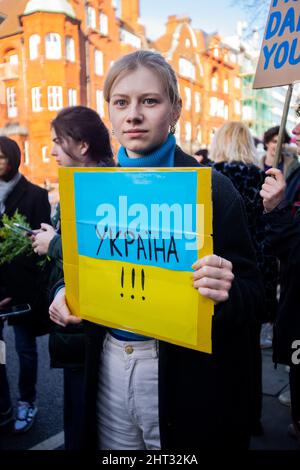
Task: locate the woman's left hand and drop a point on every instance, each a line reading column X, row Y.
column 213, row 277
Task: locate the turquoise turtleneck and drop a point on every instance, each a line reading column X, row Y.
column 161, row 157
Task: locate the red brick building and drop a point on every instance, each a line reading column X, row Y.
column 56, row 53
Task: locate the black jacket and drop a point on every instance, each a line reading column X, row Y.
column 20, row 278
column 283, row 232
column 204, row 400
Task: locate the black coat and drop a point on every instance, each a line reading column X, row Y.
column 20, row 278
column 204, row 400
column 283, row 232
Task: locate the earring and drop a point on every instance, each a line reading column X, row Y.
column 172, row 128
column 112, row 132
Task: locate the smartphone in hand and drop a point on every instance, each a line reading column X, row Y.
column 8, row 311
column 25, row 229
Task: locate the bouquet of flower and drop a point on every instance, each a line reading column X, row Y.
column 13, row 242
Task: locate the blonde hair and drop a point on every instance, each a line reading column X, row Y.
column 233, row 142
column 148, row 59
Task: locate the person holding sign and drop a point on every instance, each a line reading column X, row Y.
column 283, row 235
column 147, row 394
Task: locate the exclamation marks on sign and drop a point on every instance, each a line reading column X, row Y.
column 122, row 281
column 143, row 282
column 133, row 281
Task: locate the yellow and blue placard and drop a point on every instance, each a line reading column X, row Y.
column 130, row 238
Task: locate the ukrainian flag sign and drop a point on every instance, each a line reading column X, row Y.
column 130, row 238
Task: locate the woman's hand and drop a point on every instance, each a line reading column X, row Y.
column 59, row 312
column 213, row 277
column 273, row 189
column 42, row 238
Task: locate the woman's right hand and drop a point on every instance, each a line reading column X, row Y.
column 59, row 311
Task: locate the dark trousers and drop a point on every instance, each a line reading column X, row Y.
column 73, row 407
column 5, row 402
column 295, row 393
column 25, row 343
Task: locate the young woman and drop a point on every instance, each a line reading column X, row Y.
column 19, row 278
column 148, row 394
column 80, row 139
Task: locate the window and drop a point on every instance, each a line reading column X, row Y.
column 221, row 108
column 45, row 157
column 188, row 98
column 98, row 62
column 197, row 102
column 187, row 43
column 14, row 59
column 103, row 24
column 26, row 153
column 34, row 46
column 214, row 83
column 226, row 86
column 187, row 68
column 12, row 110
column 199, row 135
column 36, row 98
column 91, row 17
column 213, row 106
column 216, row 52
column 188, row 131
column 100, row 103
column 237, row 107
column 55, row 99
column 226, row 112
column 72, row 97
column 237, row 82
column 53, row 46
column 70, row 49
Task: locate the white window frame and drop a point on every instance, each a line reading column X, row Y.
column 26, row 153
column 53, row 46
column 98, row 62
column 237, row 107
column 103, row 24
column 36, row 98
column 13, row 59
column 100, row 103
column 226, row 86
column 70, row 49
column 214, row 83
column 45, row 158
column 55, row 97
column 188, row 131
column 34, row 46
column 187, row 68
column 72, row 97
column 188, row 98
column 90, row 17
column 197, row 102
column 11, row 102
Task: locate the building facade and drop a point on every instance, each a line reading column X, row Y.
column 56, row 54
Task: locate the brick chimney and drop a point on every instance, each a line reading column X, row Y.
column 130, row 11
column 174, row 20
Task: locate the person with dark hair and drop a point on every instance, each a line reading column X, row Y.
column 289, row 161
column 202, row 157
column 142, row 393
column 80, row 139
column 19, row 279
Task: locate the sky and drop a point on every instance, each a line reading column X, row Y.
column 209, row 15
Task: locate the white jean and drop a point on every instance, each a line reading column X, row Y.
column 127, row 401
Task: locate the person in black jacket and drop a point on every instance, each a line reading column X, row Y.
column 283, row 233
column 80, row 139
column 20, row 278
column 147, row 394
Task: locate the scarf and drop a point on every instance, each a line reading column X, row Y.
column 160, row 157
column 6, row 188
